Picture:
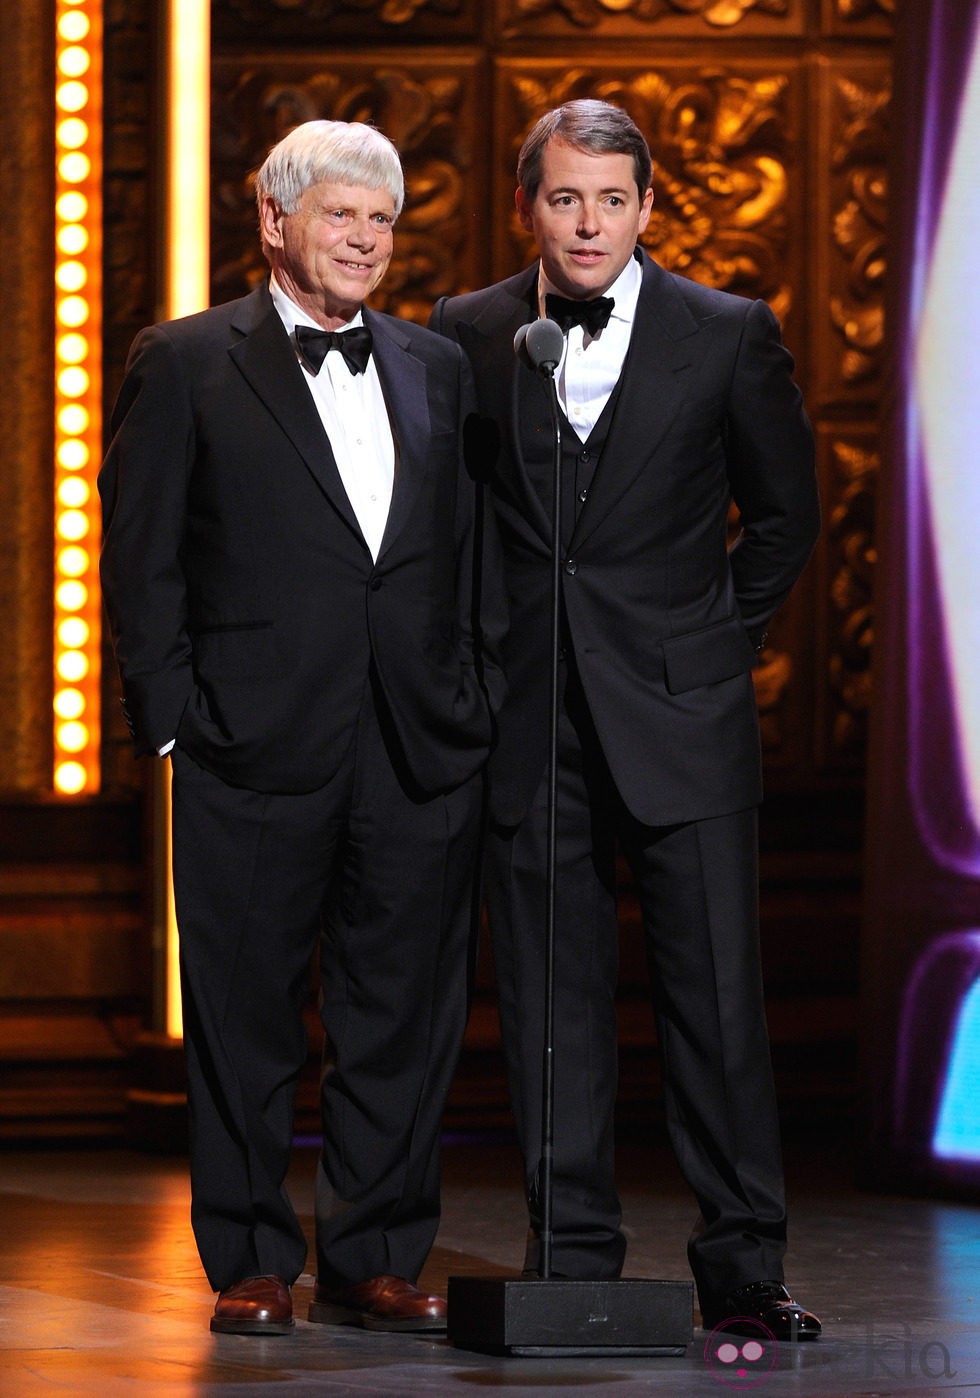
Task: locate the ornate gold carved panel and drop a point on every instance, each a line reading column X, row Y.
column 724, row 141
column 772, row 677
column 428, row 102
column 850, row 462
column 851, row 171
column 783, row 680
column 660, row 18
column 285, row 21
column 859, row 18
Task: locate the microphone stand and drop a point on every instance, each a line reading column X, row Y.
column 547, row 367
column 545, row 1315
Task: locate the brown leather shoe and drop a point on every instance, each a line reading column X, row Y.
column 254, row 1306
column 383, row 1303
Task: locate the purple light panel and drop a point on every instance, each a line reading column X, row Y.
column 944, row 499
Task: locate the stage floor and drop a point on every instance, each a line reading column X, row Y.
column 101, row 1291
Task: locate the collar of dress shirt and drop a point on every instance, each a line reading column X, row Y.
column 292, row 315
column 625, row 290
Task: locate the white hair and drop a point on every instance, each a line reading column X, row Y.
column 343, row 152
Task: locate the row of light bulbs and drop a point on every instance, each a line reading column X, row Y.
column 78, row 389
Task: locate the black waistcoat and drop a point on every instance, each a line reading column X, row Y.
column 580, row 460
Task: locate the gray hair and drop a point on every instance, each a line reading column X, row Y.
column 343, row 152
column 598, row 128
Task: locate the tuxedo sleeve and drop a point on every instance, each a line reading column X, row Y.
column 770, row 458
column 143, row 485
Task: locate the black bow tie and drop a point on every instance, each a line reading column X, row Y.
column 594, row 315
column 354, row 345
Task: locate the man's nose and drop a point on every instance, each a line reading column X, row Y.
column 588, row 223
column 362, row 233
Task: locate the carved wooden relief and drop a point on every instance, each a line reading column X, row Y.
column 860, row 18
column 853, row 189
column 723, row 141
column 661, row 17
column 285, row 21
column 772, row 677
column 428, row 104
column 783, row 679
column 850, row 467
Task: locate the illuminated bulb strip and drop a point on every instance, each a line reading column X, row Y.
column 78, row 393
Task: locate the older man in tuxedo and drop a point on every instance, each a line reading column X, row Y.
column 295, row 567
column 676, row 400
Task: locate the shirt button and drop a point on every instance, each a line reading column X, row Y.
column 571, row 567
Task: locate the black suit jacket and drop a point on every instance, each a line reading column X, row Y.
column 665, row 621
column 244, row 604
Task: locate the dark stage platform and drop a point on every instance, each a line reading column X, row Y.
column 101, row 1291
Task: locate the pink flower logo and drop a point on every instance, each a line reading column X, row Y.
column 740, row 1361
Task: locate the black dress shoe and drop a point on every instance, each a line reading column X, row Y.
column 254, row 1306
column 765, row 1303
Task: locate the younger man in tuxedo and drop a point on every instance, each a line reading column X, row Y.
column 293, row 566
column 676, row 400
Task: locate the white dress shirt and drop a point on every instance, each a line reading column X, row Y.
column 355, row 418
column 590, row 367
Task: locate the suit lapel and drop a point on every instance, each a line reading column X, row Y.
column 268, row 361
column 403, row 382
column 652, row 390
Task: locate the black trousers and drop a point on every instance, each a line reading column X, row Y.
column 697, row 888
column 384, row 883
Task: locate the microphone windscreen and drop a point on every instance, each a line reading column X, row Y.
column 544, row 343
column 520, row 337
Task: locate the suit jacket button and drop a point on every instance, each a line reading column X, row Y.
column 571, row 567
column 375, row 584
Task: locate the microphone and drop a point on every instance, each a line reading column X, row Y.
column 539, row 344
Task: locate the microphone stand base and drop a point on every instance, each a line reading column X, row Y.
column 561, row 1316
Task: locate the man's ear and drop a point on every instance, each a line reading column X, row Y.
column 270, row 221
column 523, row 209
column 646, row 208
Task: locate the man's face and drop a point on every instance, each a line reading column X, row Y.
column 333, row 251
column 586, row 218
